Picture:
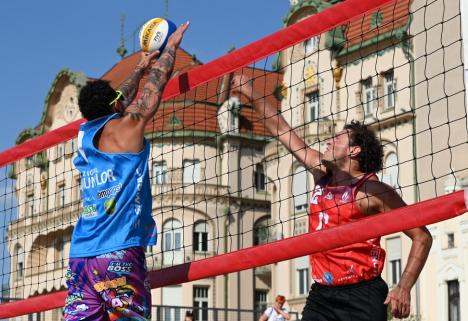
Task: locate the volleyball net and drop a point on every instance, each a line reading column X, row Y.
column 227, row 196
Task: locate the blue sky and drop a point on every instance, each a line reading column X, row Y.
column 40, row 38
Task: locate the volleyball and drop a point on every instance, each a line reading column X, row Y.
column 155, row 33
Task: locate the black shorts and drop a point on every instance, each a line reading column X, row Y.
column 362, row 301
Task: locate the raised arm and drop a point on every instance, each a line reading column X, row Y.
column 279, row 128
column 143, row 109
column 129, row 87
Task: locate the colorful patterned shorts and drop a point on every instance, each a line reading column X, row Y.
column 112, row 286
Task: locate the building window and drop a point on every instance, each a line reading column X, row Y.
column 394, row 260
column 30, row 161
column 60, row 195
column 200, row 303
column 453, row 300
column 313, row 106
column 260, row 302
column 29, row 205
column 389, row 89
column 61, row 254
column 200, row 237
column 234, row 118
column 35, row 317
column 77, row 190
column 395, row 270
column 260, row 178
column 29, row 182
column 159, row 173
column 390, row 171
column 368, row 96
column 59, row 245
column 191, row 171
column 149, row 250
column 262, row 231
column 60, row 151
column 450, row 240
column 172, row 242
column 300, row 189
column 311, row 45
column 19, row 254
column 302, row 275
column 303, row 281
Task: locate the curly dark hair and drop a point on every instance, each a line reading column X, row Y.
column 371, row 156
column 94, row 99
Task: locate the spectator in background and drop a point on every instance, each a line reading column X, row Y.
column 277, row 312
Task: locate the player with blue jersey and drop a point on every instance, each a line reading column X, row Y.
column 107, row 276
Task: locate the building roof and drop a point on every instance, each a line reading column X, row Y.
column 389, row 18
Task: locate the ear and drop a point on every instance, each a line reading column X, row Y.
column 354, row 151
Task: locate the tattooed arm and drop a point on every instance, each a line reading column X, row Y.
column 143, row 109
column 126, row 134
column 130, row 86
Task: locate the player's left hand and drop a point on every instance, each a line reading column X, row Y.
column 399, row 300
column 241, row 84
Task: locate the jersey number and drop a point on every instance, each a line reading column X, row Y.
column 323, row 220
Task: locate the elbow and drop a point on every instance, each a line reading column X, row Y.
column 425, row 239
column 429, row 240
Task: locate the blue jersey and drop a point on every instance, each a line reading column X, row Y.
column 116, row 196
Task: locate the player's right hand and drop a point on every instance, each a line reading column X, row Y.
column 146, row 59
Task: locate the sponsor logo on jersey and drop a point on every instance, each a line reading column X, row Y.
column 328, row 277
column 110, row 206
column 345, row 197
column 94, row 178
column 108, row 192
column 89, row 211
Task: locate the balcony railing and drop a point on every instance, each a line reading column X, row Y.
column 177, row 313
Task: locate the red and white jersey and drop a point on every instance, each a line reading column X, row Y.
column 331, row 206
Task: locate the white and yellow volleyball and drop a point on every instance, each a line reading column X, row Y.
column 154, row 34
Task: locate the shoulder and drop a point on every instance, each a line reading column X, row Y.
column 373, row 187
column 268, row 310
column 375, row 196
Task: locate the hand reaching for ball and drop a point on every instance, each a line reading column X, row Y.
column 146, row 59
column 176, row 37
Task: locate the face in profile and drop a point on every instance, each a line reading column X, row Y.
column 337, row 146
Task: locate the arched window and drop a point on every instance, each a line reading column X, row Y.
column 311, row 45
column 200, row 236
column 172, row 236
column 262, row 231
column 300, row 189
column 391, row 170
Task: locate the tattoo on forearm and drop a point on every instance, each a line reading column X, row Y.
column 130, row 86
column 146, row 106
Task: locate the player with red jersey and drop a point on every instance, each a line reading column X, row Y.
column 347, row 286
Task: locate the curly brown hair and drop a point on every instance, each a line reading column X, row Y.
column 371, row 156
